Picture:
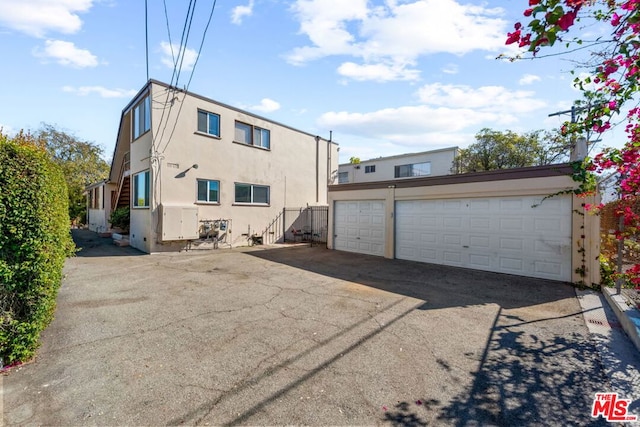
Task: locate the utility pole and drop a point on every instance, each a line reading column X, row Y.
column 579, row 147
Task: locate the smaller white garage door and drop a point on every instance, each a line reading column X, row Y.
column 359, row 227
column 500, row 234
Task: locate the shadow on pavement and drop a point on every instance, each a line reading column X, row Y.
column 525, row 379
column 439, row 286
column 89, row 244
column 532, row 371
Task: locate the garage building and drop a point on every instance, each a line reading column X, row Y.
column 501, row 221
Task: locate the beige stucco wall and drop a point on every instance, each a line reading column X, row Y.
column 587, row 226
column 297, row 168
column 441, row 163
column 98, row 219
column 141, row 218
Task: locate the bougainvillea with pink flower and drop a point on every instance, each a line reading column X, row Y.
column 614, row 82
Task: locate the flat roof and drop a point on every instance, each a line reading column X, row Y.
column 463, row 178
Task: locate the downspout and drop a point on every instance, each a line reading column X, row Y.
column 329, row 159
column 317, row 169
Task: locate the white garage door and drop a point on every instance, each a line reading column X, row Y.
column 359, row 227
column 505, row 235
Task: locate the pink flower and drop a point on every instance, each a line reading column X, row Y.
column 566, row 20
column 513, row 37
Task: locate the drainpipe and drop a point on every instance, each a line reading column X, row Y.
column 317, row 169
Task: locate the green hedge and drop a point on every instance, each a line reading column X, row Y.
column 34, row 242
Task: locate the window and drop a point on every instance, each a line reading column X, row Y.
column 370, row 169
column 95, row 198
column 415, row 169
column 250, row 193
column 208, row 123
column 208, row 191
column 141, row 190
column 141, row 118
column 252, row 135
column 343, row 177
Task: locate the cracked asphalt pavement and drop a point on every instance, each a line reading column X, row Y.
column 306, row 336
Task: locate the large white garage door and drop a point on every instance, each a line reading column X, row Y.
column 359, row 227
column 505, row 235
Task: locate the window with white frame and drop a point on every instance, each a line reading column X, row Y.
column 252, row 194
column 141, row 118
column 370, row 169
column 252, row 135
column 208, row 191
column 208, row 123
column 343, row 177
column 414, row 169
column 141, row 185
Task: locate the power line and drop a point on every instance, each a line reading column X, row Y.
column 204, row 35
column 186, row 29
column 166, row 18
column 146, row 35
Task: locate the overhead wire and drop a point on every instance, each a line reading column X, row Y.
column 195, row 63
column 175, row 68
column 157, row 157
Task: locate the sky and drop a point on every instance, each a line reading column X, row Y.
column 382, row 77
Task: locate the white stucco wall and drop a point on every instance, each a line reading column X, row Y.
column 441, row 162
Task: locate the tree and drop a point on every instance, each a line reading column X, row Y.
column 81, row 163
column 504, row 150
column 613, row 83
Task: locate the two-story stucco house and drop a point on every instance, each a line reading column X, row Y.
column 410, row 165
column 185, row 163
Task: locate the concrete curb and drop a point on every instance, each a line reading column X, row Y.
column 628, row 316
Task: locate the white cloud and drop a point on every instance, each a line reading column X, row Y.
column 266, row 106
column 101, row 91
column 239, row 12
column 38, row 17
column 487, row 98
column 66, row 53
column 451, row 69
column 170, row 51
column 447, row 115
column 377, row 72
column 397, row 33
column 528, row 79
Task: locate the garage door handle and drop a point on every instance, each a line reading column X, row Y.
column 358, row 238
column 465, row 246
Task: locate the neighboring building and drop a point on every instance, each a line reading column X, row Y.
column 99, row 205
column 426, row 163
column 187, row 164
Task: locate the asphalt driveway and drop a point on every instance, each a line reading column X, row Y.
column 299, row 335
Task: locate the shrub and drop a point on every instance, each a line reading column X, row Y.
column 34, row 242
column 120, row 218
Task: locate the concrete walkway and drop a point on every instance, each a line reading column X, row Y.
column 307, row 336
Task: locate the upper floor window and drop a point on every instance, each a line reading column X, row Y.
column 370, row 169
column 141, row 117
column 208, row 191
column 343, row 177
column 208, row 123
column 250, row 193
column 252, row 135
column 141, row 187
column 415, row 169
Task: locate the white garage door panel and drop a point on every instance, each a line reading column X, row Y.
column 506, row 235
column 359, row 227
